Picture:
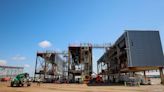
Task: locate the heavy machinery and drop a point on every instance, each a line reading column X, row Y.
column 96, row 80
column 21, row 80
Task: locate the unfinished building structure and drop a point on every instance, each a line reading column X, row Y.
column 10, row 71
column 49, row 66
column 79, row 63
column 134, row 51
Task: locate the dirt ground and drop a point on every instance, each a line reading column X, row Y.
column 4, row 87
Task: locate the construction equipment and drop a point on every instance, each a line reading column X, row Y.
column 95, row 79
column 21, row 80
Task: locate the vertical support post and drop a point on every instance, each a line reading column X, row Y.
column 97, row 68
column 108, row 72
column 144, row 75
column 90, row 58
column 36, row 62
column 74, row 78
column 101, row 67
column 45, row 67
column 161, row 75
column 133, row 74
column 54, row 66
column 68, row 65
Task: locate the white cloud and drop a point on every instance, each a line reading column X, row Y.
column 27, row 65
column 3, row 62
column 18, row 58
column 45, row 44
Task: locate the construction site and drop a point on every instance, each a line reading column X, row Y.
column 133, row 52
column 121, row 68
column 81, row 46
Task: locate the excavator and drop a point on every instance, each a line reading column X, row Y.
column 21, row 80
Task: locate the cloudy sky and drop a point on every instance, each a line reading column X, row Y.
column 28, row 26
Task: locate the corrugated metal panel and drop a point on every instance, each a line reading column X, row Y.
column 145, row 48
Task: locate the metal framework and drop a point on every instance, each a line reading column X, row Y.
column 49, row 66
column 80, row 61
column 117, row 61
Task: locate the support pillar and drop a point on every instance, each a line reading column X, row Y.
column 133, row 74
column 97, row 68
column 101, row 67
column 69, row 61
column 144, row 75
column 161, row 75
column 73, row 78
column 35, row 68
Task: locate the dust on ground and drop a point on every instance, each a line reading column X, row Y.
column 5, row 87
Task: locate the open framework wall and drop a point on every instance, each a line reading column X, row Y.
column 49, row 66
column 80, row 63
